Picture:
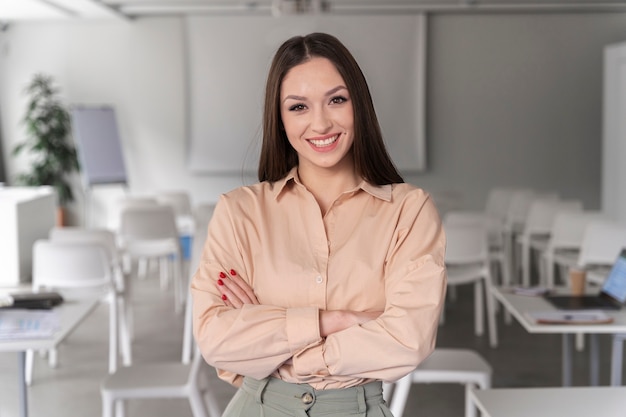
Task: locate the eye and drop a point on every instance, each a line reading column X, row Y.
column 297, row 107
column 338, row 100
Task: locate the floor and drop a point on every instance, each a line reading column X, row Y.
column 521, row 360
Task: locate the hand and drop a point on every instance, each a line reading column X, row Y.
column 235, row 291
column 334, row 321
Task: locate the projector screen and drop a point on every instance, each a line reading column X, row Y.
column 228, row 58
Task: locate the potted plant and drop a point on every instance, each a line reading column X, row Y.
column 48, row 128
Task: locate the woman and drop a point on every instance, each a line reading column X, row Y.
column 328, row 276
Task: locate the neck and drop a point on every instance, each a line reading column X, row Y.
column 327, row 184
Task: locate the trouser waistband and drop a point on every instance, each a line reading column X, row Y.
column 301, row 398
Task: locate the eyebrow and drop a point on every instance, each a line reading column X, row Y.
column 328, row 93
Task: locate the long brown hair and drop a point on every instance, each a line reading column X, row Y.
column 371, row 159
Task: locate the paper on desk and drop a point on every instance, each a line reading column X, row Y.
column 28, row 324
column 531, row 291
column 570, row 317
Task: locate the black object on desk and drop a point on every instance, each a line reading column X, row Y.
column 33, row 300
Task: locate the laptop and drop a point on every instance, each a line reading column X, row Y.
column 612, row 296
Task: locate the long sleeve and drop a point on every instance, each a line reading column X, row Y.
column 256, row 339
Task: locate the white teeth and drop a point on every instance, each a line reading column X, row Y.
column 324, row 142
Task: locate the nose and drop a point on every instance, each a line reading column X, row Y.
column 321, row 121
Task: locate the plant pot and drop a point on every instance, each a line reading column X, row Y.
column 61, row 220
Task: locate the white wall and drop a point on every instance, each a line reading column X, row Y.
column 511, row 100
column 137, row 67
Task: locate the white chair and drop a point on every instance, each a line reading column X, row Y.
column 158, row 380
column 566, row 238
column 151, row 232
column 202, row 215
column 77, row 270
column 462, row 366
column 106, row 238
column 494, row 233
column 603, row 240
column 165, row 379
column 514, row 222
column 467, row 262
column 196, row 253
column 179, row 200
column 537, row 228
column 498, row 202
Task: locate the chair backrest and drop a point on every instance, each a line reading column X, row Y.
column 127, row 202
column 70, row 265
column 521, row 201
column 569, row 227
column 498, row 202
column 148, row 223
column 202, row 215
column 79, row 234
column 179, row 200
column 491, row 223
column 542, row 212
column 466, row 243
column 602, row 242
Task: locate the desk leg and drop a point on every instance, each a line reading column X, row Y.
column 567, row 360
column 21, row 370
column 594, row 360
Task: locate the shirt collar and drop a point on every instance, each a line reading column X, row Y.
column 382, row 192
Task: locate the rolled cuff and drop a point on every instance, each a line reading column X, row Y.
column 303, row 327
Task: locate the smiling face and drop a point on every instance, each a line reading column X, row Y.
column 317, row 115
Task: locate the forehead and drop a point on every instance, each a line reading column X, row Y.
column 315, row 74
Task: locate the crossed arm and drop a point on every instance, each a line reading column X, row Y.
column 236, row 293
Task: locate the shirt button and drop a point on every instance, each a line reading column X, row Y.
column 307, row 398
column 319, row 279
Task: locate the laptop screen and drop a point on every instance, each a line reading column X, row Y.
column 615, row 283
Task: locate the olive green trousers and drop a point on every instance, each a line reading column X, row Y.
column 271, row 397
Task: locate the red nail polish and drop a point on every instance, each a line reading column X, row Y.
column 222, row 275
column 224, row 297
column 233, row 272
column 220, row 282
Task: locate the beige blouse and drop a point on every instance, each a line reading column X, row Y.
column 378, row 248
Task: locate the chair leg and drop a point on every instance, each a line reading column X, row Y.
column 470, row 409
column 107, row 405
column 400, row 395
column 491, row 313
column 479, row 327
column 617, row 351
column 113, row 331
column 196, row 402
column 525, row 248
column 28, row 368
column 120, row 408
column 211, row 404
column 124, row 334
column 53, row 358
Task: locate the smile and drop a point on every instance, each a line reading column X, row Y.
column 320, row 143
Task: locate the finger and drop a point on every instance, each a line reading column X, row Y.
column 242, row 287
column 228, row 297
column 235, row 292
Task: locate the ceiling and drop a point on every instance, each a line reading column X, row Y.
column 16, row 10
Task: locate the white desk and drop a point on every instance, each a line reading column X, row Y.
column 518, row 305
column 551, row 402
column 71, row 313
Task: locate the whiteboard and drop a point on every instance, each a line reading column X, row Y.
column 97, row 139
column 227, row 63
